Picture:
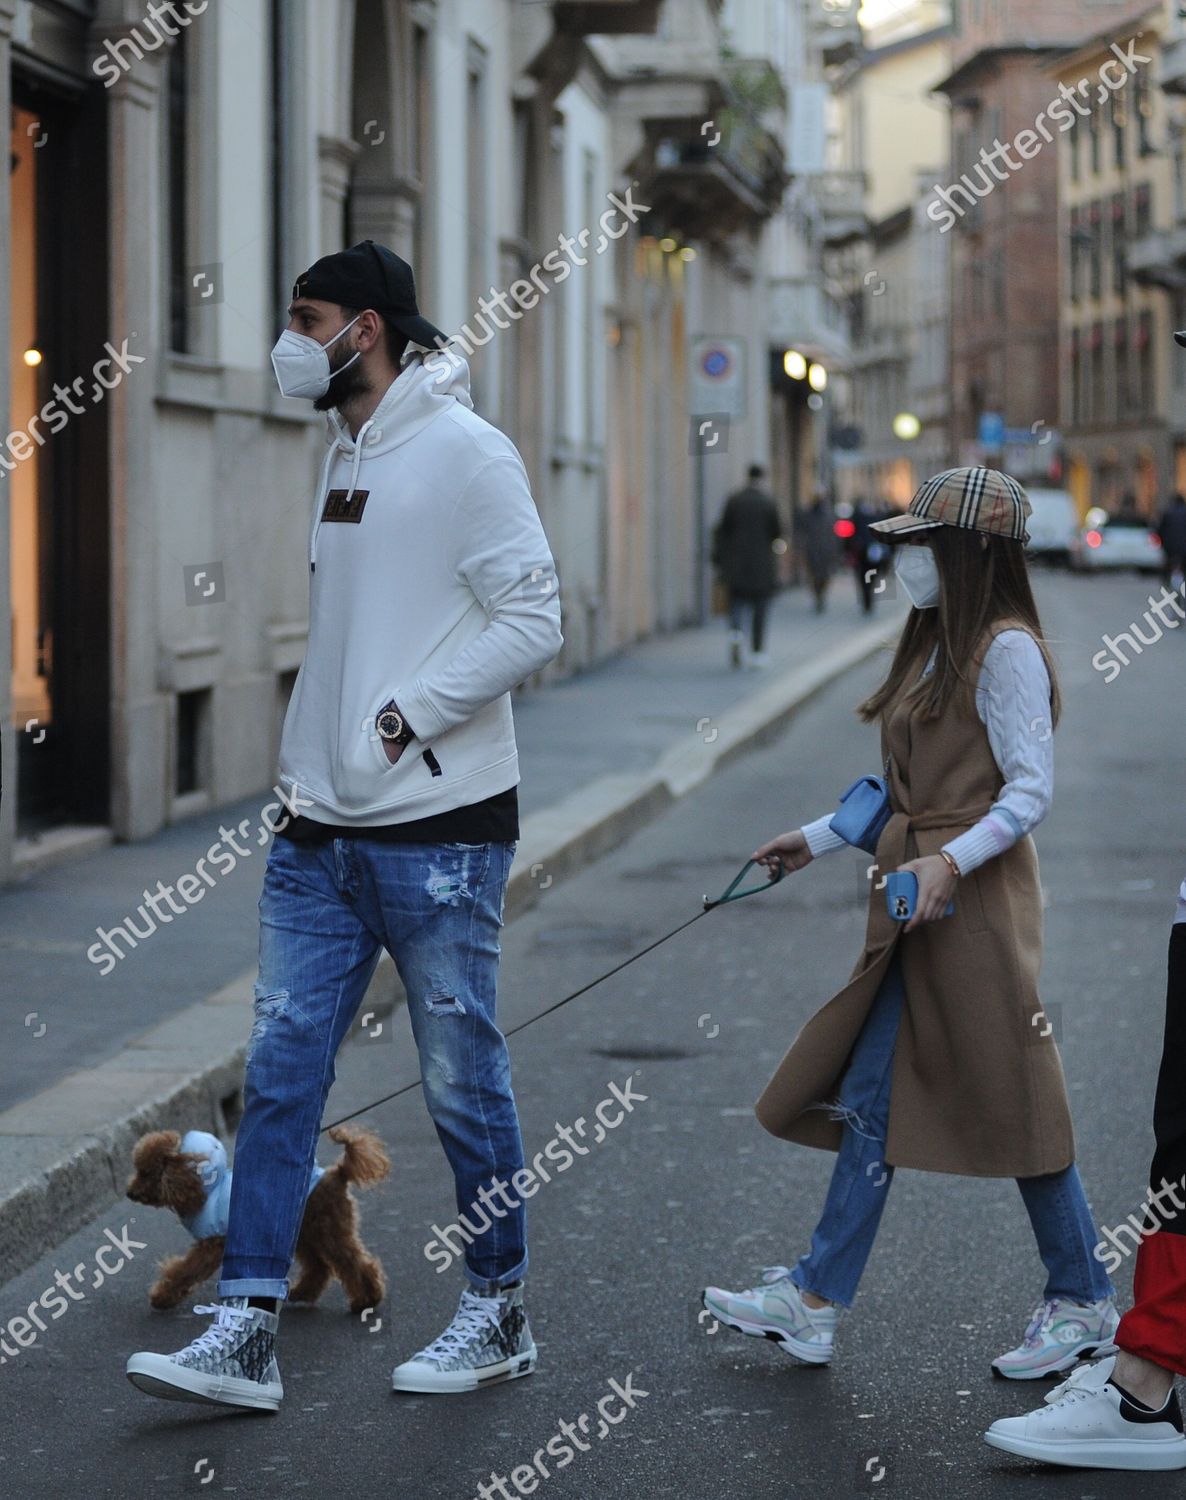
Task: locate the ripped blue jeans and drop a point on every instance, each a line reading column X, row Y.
column 326, row 911
column 1056, row 1204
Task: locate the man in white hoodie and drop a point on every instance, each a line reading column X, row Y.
column 432, row 593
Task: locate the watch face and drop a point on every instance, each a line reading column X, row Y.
column 390, row 724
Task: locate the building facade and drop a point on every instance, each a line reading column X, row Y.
column 1115, row 194
column 174, row 168
column 1006, row 123
column 892, row 130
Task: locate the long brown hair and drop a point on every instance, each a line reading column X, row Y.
column 983, row 578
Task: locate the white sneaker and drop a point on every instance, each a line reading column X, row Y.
column 232, row 1364
column 488, row 1340
column 776, row 1310
column 1059, row 1334
column 1088, row 1423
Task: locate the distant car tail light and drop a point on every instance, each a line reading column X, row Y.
column 1093, row 539
column 1154, row 539
column 844, row 529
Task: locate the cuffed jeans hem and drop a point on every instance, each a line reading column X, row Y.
column 254, row 1286
column 845, row 1302
column 490, row 1287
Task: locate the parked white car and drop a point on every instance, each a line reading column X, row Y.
column 1120, row 541
column 1053, row 526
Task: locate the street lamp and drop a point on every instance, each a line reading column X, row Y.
column 906, row 426
column 794, row 364
column 817, row 378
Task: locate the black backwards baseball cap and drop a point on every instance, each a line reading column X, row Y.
column 370, row 275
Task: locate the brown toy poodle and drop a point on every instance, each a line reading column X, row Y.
column 190, row 1176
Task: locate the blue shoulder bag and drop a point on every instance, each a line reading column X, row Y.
column 863, row 812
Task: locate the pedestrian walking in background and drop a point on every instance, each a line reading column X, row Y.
column 1122, row 1412
column 932, row 1056
column 743, row 553
column 426, row 608
column 866, row 552
column 1172, row 531
column 817, row 542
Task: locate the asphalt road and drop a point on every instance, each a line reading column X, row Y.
column 688, row 1189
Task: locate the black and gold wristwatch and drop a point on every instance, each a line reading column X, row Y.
column 392, row 726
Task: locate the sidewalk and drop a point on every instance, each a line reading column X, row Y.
column 82, row 1078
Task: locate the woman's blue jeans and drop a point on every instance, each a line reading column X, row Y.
column 326, row 911
column 844, row 1236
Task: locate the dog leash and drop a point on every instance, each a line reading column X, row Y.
column 731, row 893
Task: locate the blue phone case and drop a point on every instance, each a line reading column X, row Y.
column 901, row 895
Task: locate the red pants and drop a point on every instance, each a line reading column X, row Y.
column 1155, row 1329
column 1155, row 1326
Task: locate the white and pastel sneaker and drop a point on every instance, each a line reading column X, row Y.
column 1059, row 1333
column 232, row 1364
column 776, row 1310
column 1089, row 1423
column 488, row 1340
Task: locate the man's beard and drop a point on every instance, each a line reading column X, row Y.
column 344, row 384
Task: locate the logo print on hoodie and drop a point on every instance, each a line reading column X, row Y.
column 340, row 505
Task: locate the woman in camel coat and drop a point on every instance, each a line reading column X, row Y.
column 937, row 1054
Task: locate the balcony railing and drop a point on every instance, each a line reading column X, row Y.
column 801, row 315
column 841, row 200
column 713, row 180
column 836, row 30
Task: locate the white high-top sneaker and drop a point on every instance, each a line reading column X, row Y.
column 488, row 1340
column 232, row 1364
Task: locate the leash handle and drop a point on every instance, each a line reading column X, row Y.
column 733, row 894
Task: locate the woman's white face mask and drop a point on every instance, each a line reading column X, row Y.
column 918, row 573
column 302, row 364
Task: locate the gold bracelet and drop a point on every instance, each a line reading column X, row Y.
column 951, row 864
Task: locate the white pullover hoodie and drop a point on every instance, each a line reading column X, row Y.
column 436, row 588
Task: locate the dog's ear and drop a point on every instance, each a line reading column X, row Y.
column 151, row 1149
column 181, row 1185
column 148, row 1158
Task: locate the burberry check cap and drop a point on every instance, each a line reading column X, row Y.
column 980, row 499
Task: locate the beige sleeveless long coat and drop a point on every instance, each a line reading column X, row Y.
column 977, row 1085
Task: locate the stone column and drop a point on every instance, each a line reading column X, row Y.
column 335, row 160
column 141, row 714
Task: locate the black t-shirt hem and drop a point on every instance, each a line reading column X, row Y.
column 493, row 820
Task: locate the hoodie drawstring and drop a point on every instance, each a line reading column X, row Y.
column 323, row 490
